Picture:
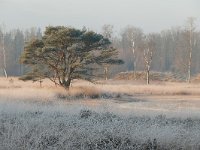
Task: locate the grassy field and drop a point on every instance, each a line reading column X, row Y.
column 107, row 115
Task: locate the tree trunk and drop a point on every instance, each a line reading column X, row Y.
column 190, row 58
column 189, row 67
column 147, row 73
column 4, row 59
column 65, row 83
column 106, row 72
column 5, row 73
column 40, row 82
column 191, row 43
column 134, row 68
column 147, row 77
column 68, row 83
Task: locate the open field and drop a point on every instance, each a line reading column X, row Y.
column 107, row 115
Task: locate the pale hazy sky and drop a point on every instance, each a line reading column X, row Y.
column 150, row 15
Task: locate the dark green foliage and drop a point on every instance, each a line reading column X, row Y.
column 66, row 53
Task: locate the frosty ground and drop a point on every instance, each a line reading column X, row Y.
column 107, row 115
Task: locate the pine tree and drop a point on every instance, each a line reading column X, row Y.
column 67, row 53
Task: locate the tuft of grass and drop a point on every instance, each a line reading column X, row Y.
column 86, row 93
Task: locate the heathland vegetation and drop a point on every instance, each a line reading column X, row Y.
column 92, row 91
column 108, row 115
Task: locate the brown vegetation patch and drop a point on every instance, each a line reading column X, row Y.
column 196, row 79
column 154, row 76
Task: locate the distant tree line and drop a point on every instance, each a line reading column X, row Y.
column 174, row 50
column 14, row 42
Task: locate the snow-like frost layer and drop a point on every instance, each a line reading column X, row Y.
column 57, row 126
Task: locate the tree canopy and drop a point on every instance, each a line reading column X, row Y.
column 66, row 53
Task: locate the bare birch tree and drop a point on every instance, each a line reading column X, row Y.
column 132, row 44
column 148, row 55
column 135, row 36
column 3, row 50
column 133, row 49
column 190, row 29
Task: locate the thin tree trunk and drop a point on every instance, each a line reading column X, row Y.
column 147, row 73
column 4, row 59
column 5, row 73
column 190, row 57
column 134, row 57
column 106, row 72
column 40, row 82
column 148, row 59
column 134, row 66
column 191, row 43
column 189, row 67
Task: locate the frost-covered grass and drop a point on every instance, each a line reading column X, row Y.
column 74, row 126
column 103, row 116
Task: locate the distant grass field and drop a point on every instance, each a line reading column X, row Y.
column 110, row 114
